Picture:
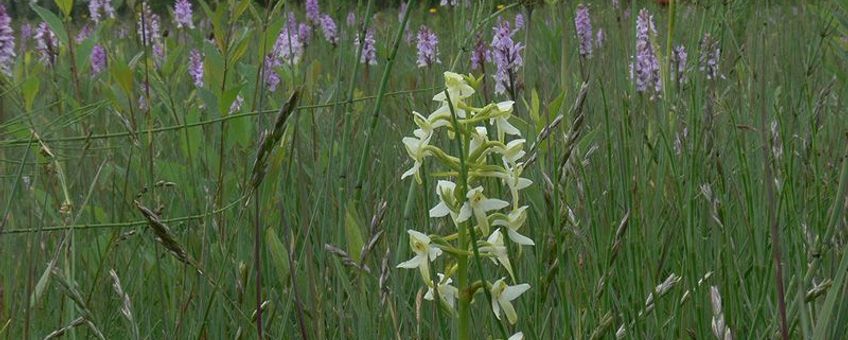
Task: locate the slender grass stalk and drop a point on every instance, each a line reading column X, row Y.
column 378, row 106
column 769, row 183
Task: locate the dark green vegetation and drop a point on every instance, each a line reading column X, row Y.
column 690, row 184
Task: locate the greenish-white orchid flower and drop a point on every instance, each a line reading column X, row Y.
column 479, row 136
column 417, row 150
column 514, row 221
column 424, row 254
column 426, row 126
column 457, row 87
column 479, row 205
column 512, row 151
column 447, row 202
column 447, row 292
column 494, row 246
column 512, row 178
column 517, row 336
column 501, row 120
column 502, row 296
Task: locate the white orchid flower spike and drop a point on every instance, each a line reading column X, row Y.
column 479, row 205
column 447, row 292
column 502, row 296
column 495, row 247
column 514, row 221
column 424, row 253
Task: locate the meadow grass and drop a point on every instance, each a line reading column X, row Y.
column 659, row 215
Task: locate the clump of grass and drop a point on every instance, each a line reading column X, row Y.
column 635, row 180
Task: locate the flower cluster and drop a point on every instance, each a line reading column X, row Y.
column 519, row 21
column 149, row 32
column 481, row 221
column 289, row 45
column 369, row 48
column 195, row 67
column 183, row 14
column 600, row 38
column 507, row 56
column 84, row 33
column 351, row 19
column 646, row 68
column 98, row 8
column 480, row 54
column 315, row 19
column 7, row 42
column 25, row 35
column 46, row 44
column 328, row 28
column 272, row 79
column 304, row 31
column 710, row 54
column 583, row 25
column 428, row 47
column 313, row 12
column 98, row 59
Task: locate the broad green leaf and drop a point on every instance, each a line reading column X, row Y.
column 29, row 89
column 210, row 100
column 219, row 27
column 66, row 6
column 556, row 104
column 353, row 231
column 53, row 21
column 42, row 284
column 270, row 38
column 241, row 47
column 240, row 131
column 279, row 255
column 191, row 139
column 242, row 6
column 83, row 54
column 123, row 76
column 213, row 67
column 534, row 105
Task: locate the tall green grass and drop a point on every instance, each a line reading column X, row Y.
column 125, row 222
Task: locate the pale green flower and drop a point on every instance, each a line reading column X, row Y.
column 424, row 254
column 501, row 120
column 478, row 205
column 479, row 136
column 457, row 87
column 495, row 247
column 426, row 126
column 513, row 151
column 517, row 336
column 417, row 150
column 502, row 296
column 514, row 221
column 512, row 177
column 447, row 292
column 447, row 203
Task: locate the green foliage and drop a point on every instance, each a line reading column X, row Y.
column 632, row 196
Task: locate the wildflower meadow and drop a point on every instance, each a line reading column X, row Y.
column 453, row 169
